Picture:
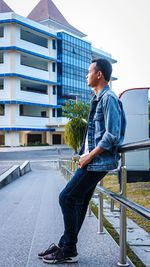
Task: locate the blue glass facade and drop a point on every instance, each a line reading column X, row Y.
column 75, row 56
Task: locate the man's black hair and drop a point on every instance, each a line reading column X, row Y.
column 104, row 66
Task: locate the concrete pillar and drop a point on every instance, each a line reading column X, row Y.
column 23, row 138
column 43, row 138
column 12, row 113
column 12, row 138
column 52, row 52
column 62, row 139
column 49, row 138
column 135, row 102
column 14, row 33
column 52, row 75
column 2, row 139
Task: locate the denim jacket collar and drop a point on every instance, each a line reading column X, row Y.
column 104, row 90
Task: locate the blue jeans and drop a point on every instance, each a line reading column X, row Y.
column 74, row 200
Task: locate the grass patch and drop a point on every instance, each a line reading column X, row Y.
column 137, row 192
column 132, row 256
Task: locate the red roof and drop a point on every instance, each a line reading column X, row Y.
column 46, row 9
column 4, row 7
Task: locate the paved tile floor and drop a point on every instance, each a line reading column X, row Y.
column 30, row 219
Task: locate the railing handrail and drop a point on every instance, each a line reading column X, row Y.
column 139, row 145
column 140, row 210
column 121, row 197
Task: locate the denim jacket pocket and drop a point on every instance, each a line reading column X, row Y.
column 99, row 123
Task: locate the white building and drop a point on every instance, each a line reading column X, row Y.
column 43, row 61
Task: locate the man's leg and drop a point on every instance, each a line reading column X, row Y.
column 74, row 200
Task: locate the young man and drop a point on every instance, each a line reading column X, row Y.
column 105, row 132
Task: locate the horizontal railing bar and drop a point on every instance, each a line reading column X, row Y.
column 125, row 202
column 67, row 169
column 144, row 144
column 122, row 200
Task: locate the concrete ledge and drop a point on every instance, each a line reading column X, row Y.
column 14, row 173
column 10, row 175
column 25, row 168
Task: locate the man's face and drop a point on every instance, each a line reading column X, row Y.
column 93, row 76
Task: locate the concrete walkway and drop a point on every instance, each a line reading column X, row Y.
column 29, row 148
column 30, row 219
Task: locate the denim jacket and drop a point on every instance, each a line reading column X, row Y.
column 106, row 129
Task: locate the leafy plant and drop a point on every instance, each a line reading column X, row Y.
column 74, row 132
column 77, row 113
column 73, row 110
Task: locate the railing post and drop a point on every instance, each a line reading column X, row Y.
column 112, row 204
column 89, row 211
column 123, row 256
column 100, row 214
column 100, row 211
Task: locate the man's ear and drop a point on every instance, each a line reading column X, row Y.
column 99, row 74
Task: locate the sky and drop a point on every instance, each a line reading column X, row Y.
column 119, row 27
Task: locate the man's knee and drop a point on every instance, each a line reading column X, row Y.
column 62, row 198
column 66, row 199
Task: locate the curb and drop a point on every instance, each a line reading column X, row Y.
column 25, row 168
column 14, row 173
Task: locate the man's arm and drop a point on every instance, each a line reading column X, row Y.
column 88, row 158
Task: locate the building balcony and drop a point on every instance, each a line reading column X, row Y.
column 28, row 97
column 31, row 121
column 24, row 121
column 4, row 68
column 25, row 96
column 4, row 121
column 35, row 48
column 25, row 64
column 36, row 73
column 57, row 121
column 28, row 34
column 24, row 70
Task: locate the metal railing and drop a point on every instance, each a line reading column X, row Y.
column 68, row 168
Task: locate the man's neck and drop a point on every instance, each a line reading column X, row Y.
column 99, row 88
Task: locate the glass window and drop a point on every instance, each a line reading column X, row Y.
column 33, row 62
column 54, row 90
column 33, row 38
column 1, row 31
column 1, row 84
column 75, row 61
column 1, row 57
column 53, row 112
column 33, row 87
column 2, row 110
column 59, row 112
column 53, row 67
column 54, row 44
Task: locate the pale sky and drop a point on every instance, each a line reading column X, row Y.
column 119, row 27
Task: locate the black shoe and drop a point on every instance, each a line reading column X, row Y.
column 61, row 256
column 51, row 249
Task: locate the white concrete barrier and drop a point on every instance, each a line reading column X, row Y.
column 14, row 173
column 10, row 175
column 25, row 167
